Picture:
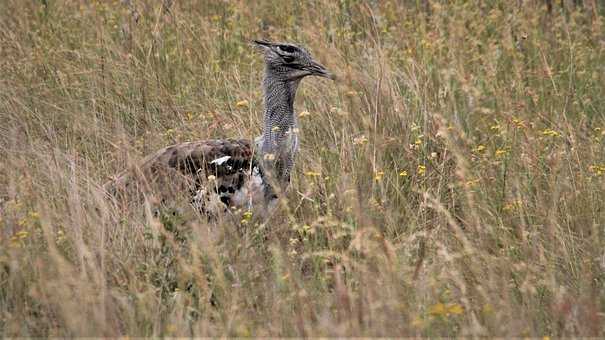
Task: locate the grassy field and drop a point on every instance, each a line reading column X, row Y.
column 450, row 183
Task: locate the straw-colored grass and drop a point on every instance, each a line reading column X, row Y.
column 450, row 183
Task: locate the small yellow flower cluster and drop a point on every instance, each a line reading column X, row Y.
column 500, row 153
column 519, row 123
column 378, row 175
column 421, row 170
column 242, row 104
column 550, row 133
column 30, row 219
column 441, row 309
column 17, row 239
column 170, row 133
column 495, row 128
column 472, row 182
column 479, row 149
column 361, row 140
column 511, row 206
column 305, row 230
column 312, row 174
column 598, row 170
column 246, row 217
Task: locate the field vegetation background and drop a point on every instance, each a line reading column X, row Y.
column 450, row 183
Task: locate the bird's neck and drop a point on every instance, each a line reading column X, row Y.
column 280, row 131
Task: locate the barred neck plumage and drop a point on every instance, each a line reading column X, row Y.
column 280, row 140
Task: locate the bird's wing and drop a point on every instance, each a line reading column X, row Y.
column 225, row 159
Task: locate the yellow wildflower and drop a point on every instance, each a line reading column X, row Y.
column 519, row 123
column 441, row 309
column 242, row 103
column 438, row 309
column 480, row 148
column 312, row 174
column 421, row 170
column 500, row 153
column 22, row 234
column 269, row 157
column 403, row 173
column 510, row 206
column 378, row 176
column 34, row 215
column 455, row 309
column 360, row 140
column 550, row 133
column 598, row 170
column 304, row 114
column 246, row 217
column 472, row 182
column 307, row 229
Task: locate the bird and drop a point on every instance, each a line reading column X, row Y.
column 223, row 174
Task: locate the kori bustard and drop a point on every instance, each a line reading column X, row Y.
column 237, row 173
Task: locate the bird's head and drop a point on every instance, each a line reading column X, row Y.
column 290, row 61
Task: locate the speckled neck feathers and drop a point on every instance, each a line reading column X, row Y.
column 280, row 133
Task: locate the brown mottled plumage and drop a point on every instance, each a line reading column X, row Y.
column 193, row 166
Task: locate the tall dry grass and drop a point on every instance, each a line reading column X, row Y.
column 451, row 183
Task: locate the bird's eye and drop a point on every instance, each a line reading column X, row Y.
column 288, row 58
column 287, row 49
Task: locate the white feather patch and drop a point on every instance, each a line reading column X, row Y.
column 220, row 160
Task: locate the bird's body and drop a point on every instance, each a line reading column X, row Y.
column 223, row 174
column 216, row 174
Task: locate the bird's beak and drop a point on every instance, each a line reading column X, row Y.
column 262, row 42
column 317, row 69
